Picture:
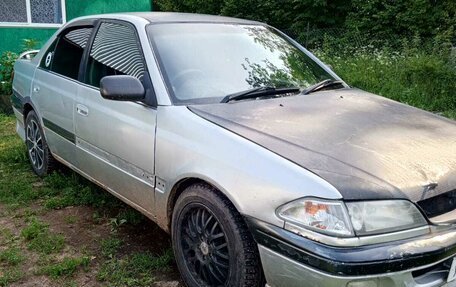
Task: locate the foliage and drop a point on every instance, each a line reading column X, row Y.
column 29, row 44
column 404, row 19
column 290, row 15
column 7, row 60
column 202, row 6
column 374, row 19
column 284, row 14
column 424, row 79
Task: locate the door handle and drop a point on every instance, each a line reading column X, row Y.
column 82, row 110
column 36, row 89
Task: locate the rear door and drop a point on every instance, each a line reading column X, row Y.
column 55, row 86
column 115, row 140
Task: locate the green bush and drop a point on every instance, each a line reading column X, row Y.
column 417, row 77
column 377, row 20
column 394, row 20
column 7, row 60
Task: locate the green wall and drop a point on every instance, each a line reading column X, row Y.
column 11, row 38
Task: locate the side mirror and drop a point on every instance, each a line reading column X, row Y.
column 29, row 55
column 122, row 88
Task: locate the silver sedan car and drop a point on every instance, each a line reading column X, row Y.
column 263, row 165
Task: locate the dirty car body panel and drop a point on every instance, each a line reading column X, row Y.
column 367, row 146
column 337, row 157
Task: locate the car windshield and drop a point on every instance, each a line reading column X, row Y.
column 204, row 62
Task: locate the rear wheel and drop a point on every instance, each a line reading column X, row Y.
column 37, row 149
column 211, row 242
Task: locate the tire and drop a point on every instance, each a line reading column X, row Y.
column 211, row 242
column 38, row 152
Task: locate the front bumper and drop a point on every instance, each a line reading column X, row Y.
column 291, row 260
column 282, row 271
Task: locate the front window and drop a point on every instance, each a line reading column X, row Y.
column 115, row 51
column 203, row 63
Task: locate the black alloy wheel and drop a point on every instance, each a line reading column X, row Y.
column 211, row 242
column 205, row 246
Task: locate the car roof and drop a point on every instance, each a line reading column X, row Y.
column 158, row 17
column 170, row 17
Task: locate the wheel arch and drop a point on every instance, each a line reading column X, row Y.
column 27, row 109
column 28, row 106
column 179, row 187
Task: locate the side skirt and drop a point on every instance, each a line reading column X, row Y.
column 111, row 191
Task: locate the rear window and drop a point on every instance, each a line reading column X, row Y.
column 64, row 55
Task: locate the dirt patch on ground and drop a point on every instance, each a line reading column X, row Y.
column 78, row 226
column 146, row 237
column 83, row 233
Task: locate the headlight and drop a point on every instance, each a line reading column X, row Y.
column 352, row 218
column 324, row 216
column 382, row 216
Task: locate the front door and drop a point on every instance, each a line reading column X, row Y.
column 115, row 140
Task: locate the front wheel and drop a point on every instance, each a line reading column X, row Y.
column 211, row 242
column 37, row 149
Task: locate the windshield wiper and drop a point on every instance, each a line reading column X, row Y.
column 259, row 92
column 321, row 85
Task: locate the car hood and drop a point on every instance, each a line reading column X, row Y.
column 366, row 146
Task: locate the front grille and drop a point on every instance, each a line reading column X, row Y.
column 439, row 204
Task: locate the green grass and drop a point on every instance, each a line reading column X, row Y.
column 6, row 236
column 40, row 239
column 110, row 246
column 9, row 275
column 34, row 230
column 72, row 190
column 66, row 268
column 134, row 270
column 11, row 256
